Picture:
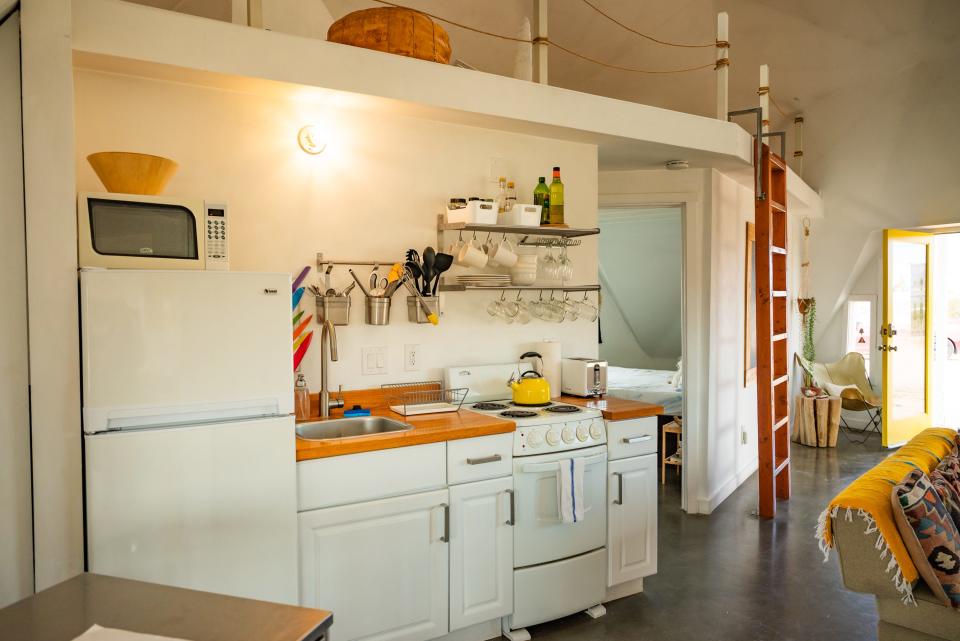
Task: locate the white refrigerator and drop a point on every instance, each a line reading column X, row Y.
column 189, row 447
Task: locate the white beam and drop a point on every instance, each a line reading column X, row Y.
column 764, row 92
column 723, row 66
column 540, row 48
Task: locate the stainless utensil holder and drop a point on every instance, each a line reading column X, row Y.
column 336, row 308
column 415, row 313
column 377, row 310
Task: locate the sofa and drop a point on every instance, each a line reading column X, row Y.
column 858, row 524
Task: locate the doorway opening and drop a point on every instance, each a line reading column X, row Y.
column 641, row 321
column 946, row 330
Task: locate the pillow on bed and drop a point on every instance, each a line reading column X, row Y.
column 677, row 379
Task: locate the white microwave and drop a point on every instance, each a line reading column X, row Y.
column 126, row 231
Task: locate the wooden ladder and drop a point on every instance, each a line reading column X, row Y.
column 773, row 379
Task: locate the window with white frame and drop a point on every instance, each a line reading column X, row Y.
column 860, row 322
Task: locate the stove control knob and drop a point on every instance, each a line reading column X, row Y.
column 567, row 435
column 596, row 429
column 534, row 438
column 583, row 432
column 552, row 437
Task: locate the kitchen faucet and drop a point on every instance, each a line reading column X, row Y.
column 328, row 339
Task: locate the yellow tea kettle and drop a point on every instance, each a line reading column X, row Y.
column 530, row 388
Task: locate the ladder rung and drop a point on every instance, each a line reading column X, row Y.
column 780, row 207
column 779, row 294
column 780, row 381
column 777, row 161
column 783, row 421
column 779, row 337
column 781, row 465
column 777, row 250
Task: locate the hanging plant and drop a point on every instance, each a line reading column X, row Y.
column 807, row 347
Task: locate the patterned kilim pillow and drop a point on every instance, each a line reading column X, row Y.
column 930, row 535
column 950, row 469
column 947, row 490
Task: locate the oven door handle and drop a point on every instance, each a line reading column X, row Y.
column 554, row 466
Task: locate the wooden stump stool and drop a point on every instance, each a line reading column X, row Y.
column 816, row 421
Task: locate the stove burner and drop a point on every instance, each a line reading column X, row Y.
column 489, row 406
column 518, row 414
column 547, row 404
column 563, row 409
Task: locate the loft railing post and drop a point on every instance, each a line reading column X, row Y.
column 540, row 47
column 723, row 65
column 798, row 145
column 764, row 92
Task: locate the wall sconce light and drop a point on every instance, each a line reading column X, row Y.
column 310, row 140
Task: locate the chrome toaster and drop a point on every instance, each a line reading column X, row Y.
column 583, row 376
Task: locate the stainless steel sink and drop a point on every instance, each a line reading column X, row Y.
column 348, row 427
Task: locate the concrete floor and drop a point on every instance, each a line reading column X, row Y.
column 732, row 576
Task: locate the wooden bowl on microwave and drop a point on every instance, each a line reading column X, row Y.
column 125, row 172
column 393, row 30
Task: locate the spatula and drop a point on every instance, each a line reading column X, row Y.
column 442, row 263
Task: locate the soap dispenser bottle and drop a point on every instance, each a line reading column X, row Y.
column 301, row 398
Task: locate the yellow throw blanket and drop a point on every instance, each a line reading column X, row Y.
column 870, row 495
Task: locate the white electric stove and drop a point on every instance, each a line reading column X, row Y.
column 554, row 427
column 559, row 569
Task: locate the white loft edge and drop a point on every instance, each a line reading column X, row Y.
column 122, row 37
column 132, row 39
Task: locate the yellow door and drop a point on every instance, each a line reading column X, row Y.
column 906, row 334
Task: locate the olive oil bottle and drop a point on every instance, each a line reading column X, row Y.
column 556, row 198
column 541, row 196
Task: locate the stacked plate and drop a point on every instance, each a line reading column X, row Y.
column 484, row 280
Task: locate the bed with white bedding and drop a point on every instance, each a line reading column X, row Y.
column 648, row 385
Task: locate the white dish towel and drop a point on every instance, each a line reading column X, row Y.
column 570, row 490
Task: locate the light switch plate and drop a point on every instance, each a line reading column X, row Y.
column 373, row 359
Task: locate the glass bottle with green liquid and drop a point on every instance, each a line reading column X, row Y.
column 556, row 199
column 541, row 196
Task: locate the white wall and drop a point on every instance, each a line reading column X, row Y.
column 717, row 462
column 373, row 193
column 16, row 526
column 733, row 406
column 881, row 154
column 52, row 289
column 641, row 261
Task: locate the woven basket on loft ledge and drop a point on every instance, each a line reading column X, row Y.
column 393, row 30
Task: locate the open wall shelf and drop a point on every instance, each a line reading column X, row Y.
column 562, row 232
column 456, row 287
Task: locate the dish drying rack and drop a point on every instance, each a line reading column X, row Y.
column 426, row 397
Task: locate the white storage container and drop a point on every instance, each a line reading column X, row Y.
column 478, row 212
column 522, row 215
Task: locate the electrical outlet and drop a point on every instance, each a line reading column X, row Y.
column 373, row 359
column 743, row 435
column 411, row 358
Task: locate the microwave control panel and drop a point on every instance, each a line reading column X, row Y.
column 217, row 245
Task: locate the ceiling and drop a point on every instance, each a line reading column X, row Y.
column 813, row 48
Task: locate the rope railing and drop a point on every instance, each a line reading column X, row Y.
column 543, row 40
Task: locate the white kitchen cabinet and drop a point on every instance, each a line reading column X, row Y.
column 481, row 552
column 380, row 566
column 632, row 519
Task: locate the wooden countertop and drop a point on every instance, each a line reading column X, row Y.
column 67, row 610
column 616, row 409
column 427, row 428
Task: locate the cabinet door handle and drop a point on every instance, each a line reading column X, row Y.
column 619, row 500
column 493, row 458
column 513, row 507
column 637, row 439
column 446, row 523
